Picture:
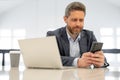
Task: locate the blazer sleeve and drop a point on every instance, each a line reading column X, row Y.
column 106, row 63
column 94, row 39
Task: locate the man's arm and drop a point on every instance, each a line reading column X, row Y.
column 86, row 56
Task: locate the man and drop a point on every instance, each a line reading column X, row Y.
column 74, row 42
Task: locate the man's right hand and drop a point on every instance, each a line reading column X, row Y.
column 85, row 61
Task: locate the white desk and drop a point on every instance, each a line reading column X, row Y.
column 110, row 73
column 69, row 74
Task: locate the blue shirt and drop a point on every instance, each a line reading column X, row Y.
column 74, row 48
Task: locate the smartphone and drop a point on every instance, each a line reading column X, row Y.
column 96, row 46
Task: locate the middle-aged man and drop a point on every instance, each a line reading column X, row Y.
column 74, row 42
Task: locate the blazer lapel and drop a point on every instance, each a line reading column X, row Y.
column 65, row 42
column 83, row 43
column 66, row 45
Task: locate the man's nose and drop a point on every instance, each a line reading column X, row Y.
column 78, row 23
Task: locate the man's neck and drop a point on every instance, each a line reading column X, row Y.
column 74, row 36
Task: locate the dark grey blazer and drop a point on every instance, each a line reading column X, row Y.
column 85, row 42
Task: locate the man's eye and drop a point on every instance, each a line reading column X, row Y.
column 81, row 20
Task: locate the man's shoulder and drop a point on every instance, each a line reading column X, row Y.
column 87, row 32
column 57, row 31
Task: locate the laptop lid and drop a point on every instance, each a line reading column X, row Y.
column 40, row 52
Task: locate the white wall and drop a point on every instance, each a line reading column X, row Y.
column 39, row 16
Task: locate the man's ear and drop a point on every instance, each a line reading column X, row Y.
column 65, row 19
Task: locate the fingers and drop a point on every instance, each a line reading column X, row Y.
column 87, row 54
column 83, row 63
column 85, row 60
column 98, row 63
column 99, row 52
column 98, row 59
column 89, row 58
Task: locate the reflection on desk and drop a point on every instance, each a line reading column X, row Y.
column 87, row 74
column 67, row 74
column 112, row 73
column 14, row 74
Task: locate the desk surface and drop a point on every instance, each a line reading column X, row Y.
column 110, row 73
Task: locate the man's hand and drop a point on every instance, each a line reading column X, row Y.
column 98, row 59
column 85, row 60
column 88, row 58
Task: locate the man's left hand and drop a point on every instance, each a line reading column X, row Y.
column 98, row 59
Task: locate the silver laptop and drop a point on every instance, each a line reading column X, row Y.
column 40, row 52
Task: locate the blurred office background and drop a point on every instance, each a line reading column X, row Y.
column 21, row 19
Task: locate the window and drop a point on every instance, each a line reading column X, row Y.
column 9, row 38
column 111, row 37
column 118, row 37
column 107, row 37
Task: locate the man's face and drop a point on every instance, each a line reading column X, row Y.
column 75, row 22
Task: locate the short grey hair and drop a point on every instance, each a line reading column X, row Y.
column 73, row 7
